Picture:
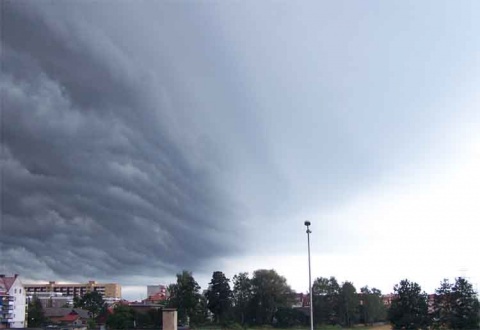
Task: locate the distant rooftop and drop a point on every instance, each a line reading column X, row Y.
column 6, row 282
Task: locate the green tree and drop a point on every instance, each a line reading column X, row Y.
column 465, row 310
column 372, row 308
column 155, row 317
column 123, row 317
column 456, row 305
column 348, row 303
column 326, row 295
column 92, row 302
column 185, row 296
column 200, row 313
column 219, row 296
column 290, row 317
column 36, row 314
column 242, row 296
column 77, row 301
column 443, row 305
column 409, row 308
column 270, row 292
column 91, row 324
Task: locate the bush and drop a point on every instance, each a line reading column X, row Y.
column 290, row 317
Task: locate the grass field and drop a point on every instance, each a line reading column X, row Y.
column 379, row 327
column 375, row 327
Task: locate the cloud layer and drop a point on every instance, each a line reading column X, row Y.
column 142, row 138
column 94, row 183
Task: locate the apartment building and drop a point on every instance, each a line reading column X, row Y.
column 109, row 291
column 156, row 289
column 13, row 309
column 51, row 299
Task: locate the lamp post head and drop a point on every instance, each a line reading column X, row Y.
column 307, row 223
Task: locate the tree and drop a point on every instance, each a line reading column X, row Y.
column 465, row 310
column 379, row 312
column 290, row 317
column 91, row 324
column 409, row 308
column 123, row 317
column 242, row 295
column 36, row 314
column 443, row 304
column 326, row 293
column 372, row 308
column 92, row 302
column 456, row 305
column 219, row 296
column 270, row 291
column 348, row 303
column 155, row 319
column 200, row 313
column 184, row 295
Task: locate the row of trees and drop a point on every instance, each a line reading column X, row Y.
column 251, row 300
column 341, row 304
column 454, row 306
column 266, row 298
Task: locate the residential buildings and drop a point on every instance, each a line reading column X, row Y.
column 387, row 299
column 68, row 318
column 156, row 289
column 51, row 299
column 156, row 294
column 12, row 302
column 110, row 292
column 301, row 300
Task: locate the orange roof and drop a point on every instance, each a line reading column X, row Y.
column 156, row 297
column 72, row 317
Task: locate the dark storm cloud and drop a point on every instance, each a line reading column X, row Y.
column 94, row 184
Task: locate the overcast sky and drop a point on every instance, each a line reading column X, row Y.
column 143, row 138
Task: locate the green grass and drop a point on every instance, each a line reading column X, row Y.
column 268, row 327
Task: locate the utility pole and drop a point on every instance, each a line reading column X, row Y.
column 307, row 223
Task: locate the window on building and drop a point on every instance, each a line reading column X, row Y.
column 20, row 291
column 15, row 290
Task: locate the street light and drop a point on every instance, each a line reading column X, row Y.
column 307, row 223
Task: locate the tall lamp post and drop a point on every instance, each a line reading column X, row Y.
column 307, row 223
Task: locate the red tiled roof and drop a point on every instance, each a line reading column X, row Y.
column 61, row 312
column 156, row 297
column 69, row 318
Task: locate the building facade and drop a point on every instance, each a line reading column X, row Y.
column 13, row 306
column 109, row 291
column 156, row 289
column 51, row 299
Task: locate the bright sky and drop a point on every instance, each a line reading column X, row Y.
column 201, row 135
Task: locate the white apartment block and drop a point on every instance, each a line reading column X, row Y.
column 13, row 306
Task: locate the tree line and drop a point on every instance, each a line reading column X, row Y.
column 265, row 298
column 247, row 300
column 453, row 306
